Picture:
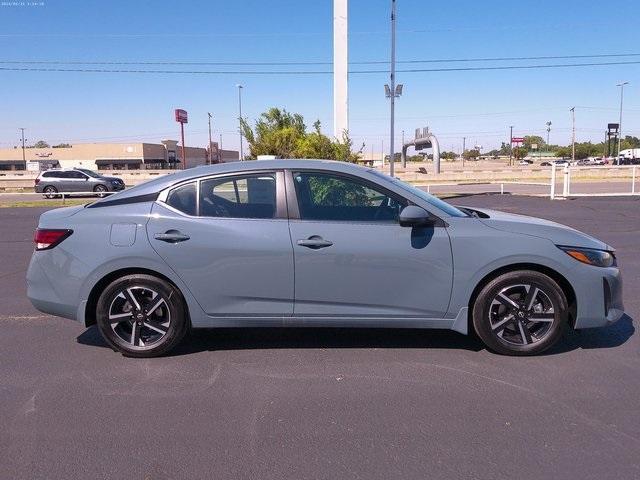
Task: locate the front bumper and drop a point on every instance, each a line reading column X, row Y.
column 598, row 297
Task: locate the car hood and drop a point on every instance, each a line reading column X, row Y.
column 538, row 227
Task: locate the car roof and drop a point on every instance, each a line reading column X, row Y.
column 158, row 184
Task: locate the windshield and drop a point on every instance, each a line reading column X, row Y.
column 427, row 197
column 89, row 172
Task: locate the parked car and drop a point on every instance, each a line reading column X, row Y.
column 280, row 243
column 545, row 164
column 525, row 162
column 75, row 180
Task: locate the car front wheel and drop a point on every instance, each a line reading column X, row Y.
column 142, row 315
column 50, row 191
column 100, row 190
column 520, row 313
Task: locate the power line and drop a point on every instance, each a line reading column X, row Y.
column 314, row 72
column 290, row 63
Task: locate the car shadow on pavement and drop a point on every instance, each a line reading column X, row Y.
column 212, row 339
column 607, row 337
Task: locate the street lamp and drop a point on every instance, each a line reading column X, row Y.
column 240, row 119
column 621, row 85
column 548, row 124
column 392, row 91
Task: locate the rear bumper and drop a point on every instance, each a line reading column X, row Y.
column 599, row 298
column 43, row 295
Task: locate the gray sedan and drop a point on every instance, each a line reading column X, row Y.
column 314, row 243
column 75, row 180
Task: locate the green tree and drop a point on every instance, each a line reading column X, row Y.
column 283, row 134
column 520, row 152
column 61, row 145
column 40, row 144
column 530, row 140
column 471, row 154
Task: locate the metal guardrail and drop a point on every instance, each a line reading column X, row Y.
column 63, row 195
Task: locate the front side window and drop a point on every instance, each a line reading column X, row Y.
column 331, row 197
column 183, row 198
column 242, row 196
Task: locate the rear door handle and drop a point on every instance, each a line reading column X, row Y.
column 171, row 236
column 314, row 242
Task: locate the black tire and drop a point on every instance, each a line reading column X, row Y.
column 531, row 328
column 100, row 190
column 50, row 191
column 157, row 332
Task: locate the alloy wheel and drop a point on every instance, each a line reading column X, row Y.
column 139, row 316
column 521, row 314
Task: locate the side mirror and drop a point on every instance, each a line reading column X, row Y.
column 413, row 216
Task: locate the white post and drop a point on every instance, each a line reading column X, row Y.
column 502, row 189
column 340, row 68
column 552, row 194
column 565, row 185
column 633, row 180
column 428, row 188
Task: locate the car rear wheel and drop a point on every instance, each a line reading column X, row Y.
column 520, row 313
column 50, row 191
column 100, row 190
column 142, row 316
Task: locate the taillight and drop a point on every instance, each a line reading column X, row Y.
column 46, row 238
column 37, row 181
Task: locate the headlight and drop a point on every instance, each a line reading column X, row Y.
column 590, row 256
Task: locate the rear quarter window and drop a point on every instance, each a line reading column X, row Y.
column 183, row 198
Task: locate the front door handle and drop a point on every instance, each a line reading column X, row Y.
column 171, row 236
column 315, row 242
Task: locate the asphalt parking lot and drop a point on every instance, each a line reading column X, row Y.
column 322, row 404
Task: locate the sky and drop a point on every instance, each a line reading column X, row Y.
column 79, row 107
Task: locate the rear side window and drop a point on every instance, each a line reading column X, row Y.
column 331, row 197
column 51, row 174
column 183, row 198
column 242, row 196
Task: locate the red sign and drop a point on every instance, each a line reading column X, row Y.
column 181, row 116
column 517, row 139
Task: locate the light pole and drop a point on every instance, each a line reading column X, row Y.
column 210, row 153
column 510, row 144
column 573, row 134
column 23, row 154
column 240, row 119
column 621, row 85
column 392, row 91
column 548, row 124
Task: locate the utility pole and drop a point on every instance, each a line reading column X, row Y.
column 573, row 134
column 511, row 144
column 240, row 119
column 621, row 85
column 23, row 153
column 464, row 143
column 392, row 84
column 382, row 150
column 220, row 155
column 210, row 153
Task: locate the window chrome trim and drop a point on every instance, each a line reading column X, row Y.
column 278, row 174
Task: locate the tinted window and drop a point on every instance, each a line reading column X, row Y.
column 75, row 174
column 183, row 198
column 243, row 196
column 52, row 174
column 333, row 197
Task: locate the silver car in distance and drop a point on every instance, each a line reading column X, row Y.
column 280, row 243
